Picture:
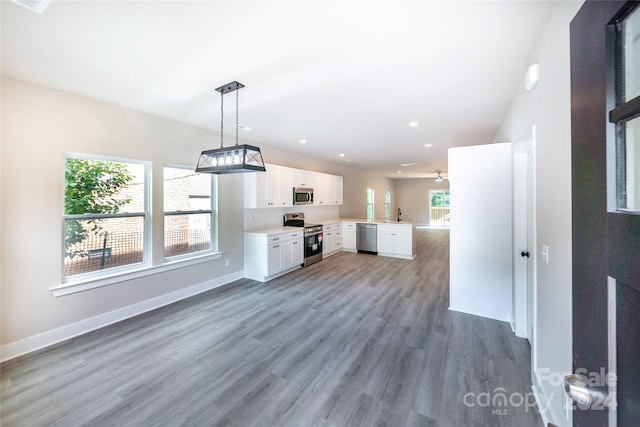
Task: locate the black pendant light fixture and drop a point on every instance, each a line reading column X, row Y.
column 236, row 159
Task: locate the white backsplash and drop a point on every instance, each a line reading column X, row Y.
column 262, row 219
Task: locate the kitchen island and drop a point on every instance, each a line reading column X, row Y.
column 395, row 239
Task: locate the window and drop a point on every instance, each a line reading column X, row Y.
column 188, row 212
column 439, row 207
column 105, row 215
column 370, row 207
column 626, row 114
column 387, row 204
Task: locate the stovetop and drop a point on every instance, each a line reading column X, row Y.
column 297, row 220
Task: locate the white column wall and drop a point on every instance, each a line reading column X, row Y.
column 480, row 236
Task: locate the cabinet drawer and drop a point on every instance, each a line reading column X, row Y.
column 293, row 235
column 276, row 239
column 284, row 237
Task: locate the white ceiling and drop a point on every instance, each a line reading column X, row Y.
column 347, row 76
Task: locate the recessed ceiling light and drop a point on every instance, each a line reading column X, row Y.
column 428, row 145
column 303, row 141
column 341, row 154
column 413, row 124
column 248, row 129
column 399, row 171
column 404, row 165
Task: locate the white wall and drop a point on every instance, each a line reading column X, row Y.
column 356, row 183
column 39, row 125
column 412, row 196
column 548, row 108
column 480, row 238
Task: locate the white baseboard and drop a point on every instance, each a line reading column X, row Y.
column 543, row 399
column 512, row 322
column 544, row 412
column 45, row 339
column 485, row 315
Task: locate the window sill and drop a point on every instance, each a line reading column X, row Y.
column 106, row 280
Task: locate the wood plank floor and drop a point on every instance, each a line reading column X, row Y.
column 355, row 340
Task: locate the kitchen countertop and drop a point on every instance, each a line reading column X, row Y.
column 280, row 230
column 275, row 230
column 337, row 220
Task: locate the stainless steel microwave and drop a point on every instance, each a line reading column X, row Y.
column 302, row 196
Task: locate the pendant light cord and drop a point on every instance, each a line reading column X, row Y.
column 221, row 119
column 237, row 92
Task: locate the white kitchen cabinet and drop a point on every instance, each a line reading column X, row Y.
column 332, row 239
column 396, row 240
column 301, row 178
column 348, row 236
column 337, row 239
column 335, row 189
column 268, row 189
column 274, row 188
column 269, row 255
column 285, row 198
column 275, row 259
column 320, row 193
column 292, row 253
column 327, row 189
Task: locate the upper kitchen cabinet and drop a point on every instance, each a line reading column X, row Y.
column 320, row 193
column 334, row 189
column 327, row 189
column 274, row 188
column 268, row 189
column 301, row 178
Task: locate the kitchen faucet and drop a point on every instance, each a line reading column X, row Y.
column 399, row 213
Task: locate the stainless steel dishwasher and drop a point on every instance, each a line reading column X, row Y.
column 367, row 238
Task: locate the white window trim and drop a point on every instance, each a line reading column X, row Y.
column 373, row 204
column 131, row 274
column 146, row 215
column 214, row 218
column 84, row 282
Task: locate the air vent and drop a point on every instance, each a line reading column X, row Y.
column 37, row 6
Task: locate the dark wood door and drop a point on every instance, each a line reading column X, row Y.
column 606, row 232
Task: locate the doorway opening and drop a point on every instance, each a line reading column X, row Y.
column 439, row 208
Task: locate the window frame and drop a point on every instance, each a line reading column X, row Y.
column 88, row 281
column 372, row 204
column 145, row 215
column 619, row 111
column 387, row 204
column 213, row 212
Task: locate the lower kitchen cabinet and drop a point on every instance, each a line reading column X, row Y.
column 396, row 241
column 349, row 236
column 267, row 256
column 332, row 239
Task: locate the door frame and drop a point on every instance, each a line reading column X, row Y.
column 524, row 238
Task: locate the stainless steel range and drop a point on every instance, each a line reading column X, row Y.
column 312, row 237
